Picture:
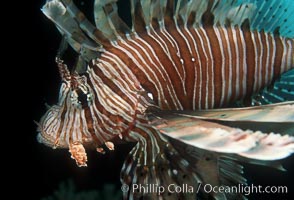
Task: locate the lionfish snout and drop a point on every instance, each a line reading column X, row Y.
column 50, row 127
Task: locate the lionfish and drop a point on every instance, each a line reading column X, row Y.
column 187, row 81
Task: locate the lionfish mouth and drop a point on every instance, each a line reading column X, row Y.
column 48, row 130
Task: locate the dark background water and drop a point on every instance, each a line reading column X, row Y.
column 48, row 167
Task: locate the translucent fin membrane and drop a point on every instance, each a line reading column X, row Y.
column 55, row 11
column 220, row 138
column 85, row 38
column 108, row 21
column 281, row 90
column 271, row 16
column 267, row 113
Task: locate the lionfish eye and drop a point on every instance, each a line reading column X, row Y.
column 81, row 98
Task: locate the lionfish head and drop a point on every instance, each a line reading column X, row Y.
column 87, row 114
column 65, row 122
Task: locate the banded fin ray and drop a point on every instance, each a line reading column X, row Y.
column 144, row 11
column 108, row 21
column 224, row 139
column 265, row 113
column 85, row 38
column 214, row 168
column 263, row 15
column 277, row 118
column 69, row 28
column 269, row 16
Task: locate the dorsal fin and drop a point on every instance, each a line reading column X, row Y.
column 85, row 38
column 262, row 15
column 186, row 8
column 101, row 20
column 115, row 21
column 138, row 22
column 108, row 21
column 69, row 28
column 276, row 17
column 270, row 16
column 281, row 90
column 144, row 11
column 83, row 23
column 275, row 14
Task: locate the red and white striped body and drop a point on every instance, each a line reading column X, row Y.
column 198, row 68
column 183, row 69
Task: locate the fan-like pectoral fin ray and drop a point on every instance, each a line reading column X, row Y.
column 280, row 112
column 155, row 163
column 219, row 138
column 213, row 168
column 164, row 163
column 276, row 164
column 278, row 118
